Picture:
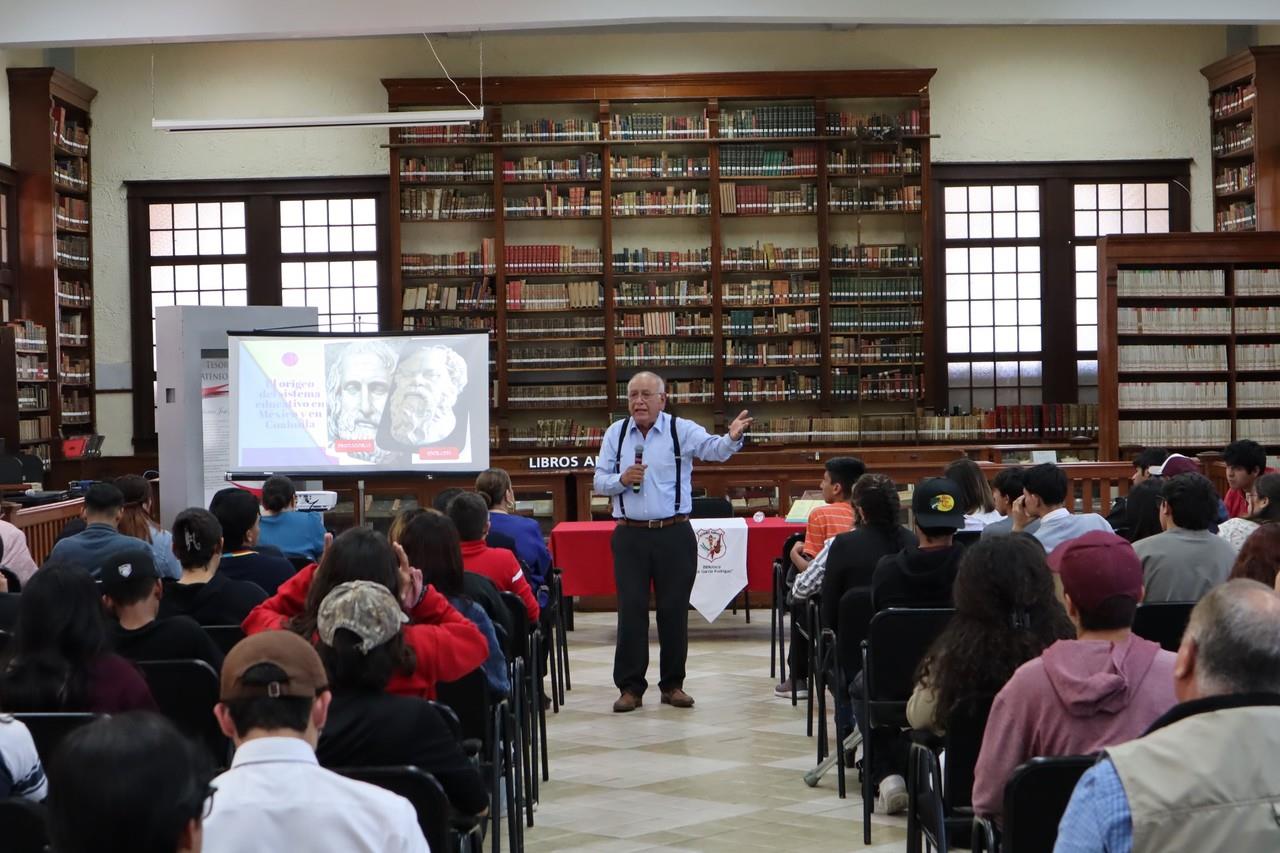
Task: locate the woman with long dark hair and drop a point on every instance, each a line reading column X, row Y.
column 1259, row 557
column 136, row 521
column 60, row 657
column 1006, row 614
column 1142, row 510
column 1264, row 508
column 430, row 540
column 975, row 493
column 446, row 645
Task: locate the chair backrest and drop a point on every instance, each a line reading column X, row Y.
column 468, row 698
column 711, row 507
column 1036, row 797
column 854, row 618
column 1163, row 622
column 927, row 813
column 418, row 787
column 519, row 625
column 896, row 642
column 965, row 726
column 299, row 562
column 25, row 830
column 186, row 691
column 48, row 729
column 224, row 636
column 450, row 717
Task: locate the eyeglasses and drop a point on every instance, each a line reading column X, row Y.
column 641, row 395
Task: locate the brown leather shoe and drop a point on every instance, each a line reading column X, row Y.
column 628, row 701
column 677, row 698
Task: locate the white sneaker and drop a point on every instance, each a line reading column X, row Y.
column 892, row 798
column 783, row 690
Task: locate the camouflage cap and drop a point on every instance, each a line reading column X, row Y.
column 365, row 608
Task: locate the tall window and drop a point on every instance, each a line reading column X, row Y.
column 317, row 243
column 1016, row 317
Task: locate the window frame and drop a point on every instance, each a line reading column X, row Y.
column 1057, row 261
column 263, row 256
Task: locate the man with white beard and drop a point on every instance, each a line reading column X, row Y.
column 357, row 384
column 425, row 388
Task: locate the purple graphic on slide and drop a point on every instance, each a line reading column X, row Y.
column 289, row 359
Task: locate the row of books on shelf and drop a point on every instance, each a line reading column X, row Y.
column 747, row 353
column 759, row 161
column 826, row 430
column 30, row 336
column 849, row 350
column 766, row 256
column 680, row 292
column 660, row 260
column 534, row 258
column 69, row 132
column 32, row 368
column 552, row 202
column 659, row 166
column 72, row 252
column 564, row 431
column 747, row 199
column 74, row 294
column 800, row 321
column 1233, row 99
column 668, row 202
column 1172, row 358
column 434, row 296
column 1258, row 319
column 1237, row 216
column 34, row 429
column 566, row 327
column 550, row 130
column 1256, row 282
column 886, row 289
column 31, row 397
column 1164, row 396
column 557, row 396
column 1045, row 421
column 1163, row 321
column 1233, row 139
column 476, row 131
column 792, row 386
column 654, row 323
column 430, row 170
column 906, row 198
column 71, row 214
column 434, row 322
column 1257, row 357
column 658, row 126
column 556, row 296
column 1261, row 430
column 71, row 174
column 526, row 357
column 73, row 328
column 1234, row 180
column 76, row 408
column 879, row 385
column 583, row 167
column 1171, row 282
column 74, row 371
column 857, row 161
column 426, row 204
column 649, row 353
column 1253, row 394
column 768, row 292
column 1210, row 432
column 904, row 318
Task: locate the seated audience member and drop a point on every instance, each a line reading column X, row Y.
column 60, row 658
column 131, row 591
column 10, row 599
column 204, row 593
column 852, row 558
column 1005, row 489
column 136, row 521
column 1146, row 459
column 361, row 646
column 835, row 515
column 238, row 512
column 471, row 517
column 975, row 494
column 1246, row 461
column 1102, row 688
column 1142, row 510
column 494, row 485
column 1204, row 775
column 1006, row 614
column 21, row 774
column 1264, row 508
column 296, row 534
column 1259, row 558
column 128, row 784
column 14, row 553
column 1178, row 464
column 91, row 547
column 276, row 796
column 445, row 644
column 1184, row 561
column 921, row 574
column 431, row 540
column 494, row 539
column 1045, row 490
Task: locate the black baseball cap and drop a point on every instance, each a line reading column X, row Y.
column 125, row 565
column 936, row 503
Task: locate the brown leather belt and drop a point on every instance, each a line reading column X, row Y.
column 652, row 523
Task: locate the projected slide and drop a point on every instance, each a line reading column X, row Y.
column 320, row 403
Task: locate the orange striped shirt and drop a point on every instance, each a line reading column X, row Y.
column 824, row 522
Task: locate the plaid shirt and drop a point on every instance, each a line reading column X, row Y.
column 809, row 581
column 1097, row 819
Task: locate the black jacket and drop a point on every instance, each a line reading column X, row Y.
column 852, row 561
column 266, row 570
column 220, row 601
column 176, row 638
column 916, row 577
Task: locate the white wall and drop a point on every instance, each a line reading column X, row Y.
column 1015, row 93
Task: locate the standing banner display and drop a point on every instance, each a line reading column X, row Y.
column 722, row 563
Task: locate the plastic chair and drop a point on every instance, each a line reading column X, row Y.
column 482, row 720
column 519, row 654
column 1163, row 622
column 777, row 620
column 896, row 641
column 422, row 790
column 186, row 691
column 926, row 814
column 48, row 729
column 965, row 727
column 25, row 828
column 1035, row 799
column 224, row 636
column 841, row 660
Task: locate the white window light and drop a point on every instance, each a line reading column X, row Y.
column 401, row 119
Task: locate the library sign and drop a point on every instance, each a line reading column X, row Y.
column 561, row 463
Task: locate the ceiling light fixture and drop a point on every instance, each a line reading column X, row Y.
column 401, row 119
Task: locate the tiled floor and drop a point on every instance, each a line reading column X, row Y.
column 726, row 775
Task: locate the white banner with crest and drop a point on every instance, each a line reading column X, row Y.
column 722, row 564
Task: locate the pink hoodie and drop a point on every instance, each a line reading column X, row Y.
column 1079, row 697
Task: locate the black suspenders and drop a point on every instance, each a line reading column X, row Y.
column 675, row 446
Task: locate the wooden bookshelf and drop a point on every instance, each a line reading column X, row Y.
column 1188, row 341
column 758, row 239
column 50, row 123
column 26, row 388
column 1244, row 110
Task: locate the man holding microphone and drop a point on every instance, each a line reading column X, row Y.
column 646, row 465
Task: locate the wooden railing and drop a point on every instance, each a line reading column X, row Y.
column 42, row 524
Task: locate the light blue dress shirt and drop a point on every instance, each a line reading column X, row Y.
column 657, row 496
column 1062, row 525
column 1097, row 819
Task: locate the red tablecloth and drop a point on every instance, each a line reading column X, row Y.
column 581, row 549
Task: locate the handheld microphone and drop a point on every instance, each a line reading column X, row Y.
column 639, row 461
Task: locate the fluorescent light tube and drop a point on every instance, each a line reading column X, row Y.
column 404, row 119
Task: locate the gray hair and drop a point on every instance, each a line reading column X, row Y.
column 333, row 380
column 649, row 374
column 1236, row 629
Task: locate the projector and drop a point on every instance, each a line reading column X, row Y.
column 317, row 501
